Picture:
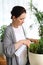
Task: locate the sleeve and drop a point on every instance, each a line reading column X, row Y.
column 24, row 31
column 9, row 48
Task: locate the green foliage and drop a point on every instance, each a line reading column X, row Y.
column 40, row 48
column 2, row 29
column 33, row 48
column 41, row 31
column 31, row 5
column 37, row 47
column 38, row 14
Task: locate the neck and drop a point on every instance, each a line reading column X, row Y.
column 14, row 24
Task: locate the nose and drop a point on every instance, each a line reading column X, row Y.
column 22, row 22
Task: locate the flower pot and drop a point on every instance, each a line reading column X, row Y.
column 35, row 59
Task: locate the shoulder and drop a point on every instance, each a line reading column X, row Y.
column 8, row 29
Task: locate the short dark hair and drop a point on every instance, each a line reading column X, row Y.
column 17, row 11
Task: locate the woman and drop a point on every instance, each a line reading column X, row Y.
column 14, row 35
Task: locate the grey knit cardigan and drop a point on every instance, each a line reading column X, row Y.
column 9, row 49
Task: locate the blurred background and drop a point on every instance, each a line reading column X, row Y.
column 30, row 25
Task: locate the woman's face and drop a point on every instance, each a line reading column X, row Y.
column 19, row 20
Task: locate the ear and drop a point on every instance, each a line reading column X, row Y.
column 14, row 17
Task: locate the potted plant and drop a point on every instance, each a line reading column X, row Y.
column 2, row 29
column 36, row 49
column 3, row 60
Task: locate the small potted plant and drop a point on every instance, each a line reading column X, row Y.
column 3, row 60
column 2, row 29
column 36, row 49
column 36, row 53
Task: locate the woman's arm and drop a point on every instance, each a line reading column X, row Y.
column 9, row 48
column 22, row 42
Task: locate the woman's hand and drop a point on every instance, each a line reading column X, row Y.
column 21, row 42
column 33, row 40
column 27, row 42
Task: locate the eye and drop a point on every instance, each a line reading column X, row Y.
column 22, row 19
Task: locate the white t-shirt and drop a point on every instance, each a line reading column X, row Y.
column 21, row 53
column 19, row 34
